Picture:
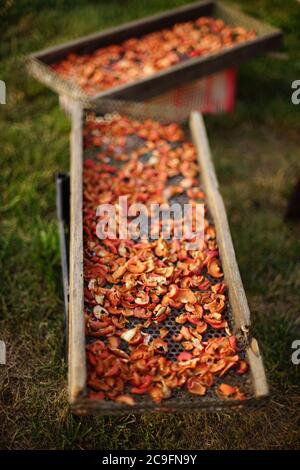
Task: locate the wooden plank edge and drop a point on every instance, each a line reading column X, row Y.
column 86, row 407
column 257, row 370
column 77, row 360
column 237, row 296
column 236, row 292
column 66, row 104
column 140, row 23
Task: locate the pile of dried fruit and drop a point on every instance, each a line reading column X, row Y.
column 138, row 58
column 143, row 297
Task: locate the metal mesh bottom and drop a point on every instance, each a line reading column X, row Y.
column 181, row 399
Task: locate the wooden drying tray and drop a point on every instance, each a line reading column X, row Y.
column 268, row 38
column 77, row 372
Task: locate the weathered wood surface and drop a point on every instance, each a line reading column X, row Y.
column 77, row 360
column 237, row 297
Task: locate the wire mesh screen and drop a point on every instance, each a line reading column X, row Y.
column 210, row 95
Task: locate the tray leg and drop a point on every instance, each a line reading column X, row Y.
column 63, row 213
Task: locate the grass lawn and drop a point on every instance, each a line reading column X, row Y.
column 257, row 157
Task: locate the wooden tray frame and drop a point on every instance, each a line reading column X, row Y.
column 268, row 39
column 77, row 373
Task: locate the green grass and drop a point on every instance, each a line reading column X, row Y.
column 257, row 157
